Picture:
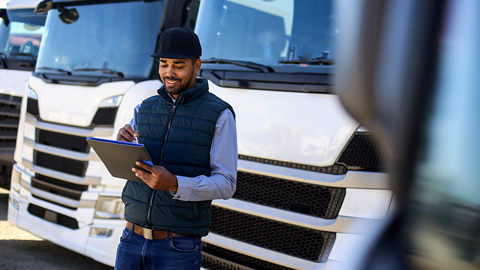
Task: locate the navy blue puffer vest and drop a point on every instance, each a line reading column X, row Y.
column 177, row 136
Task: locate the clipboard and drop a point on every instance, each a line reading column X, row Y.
column 119, row 157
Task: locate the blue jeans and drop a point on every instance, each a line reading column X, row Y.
column 136, row 252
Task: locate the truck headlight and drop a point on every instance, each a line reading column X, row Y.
column 109, row 208
column 31, row 93
column 14, row 202
column 111, row 102
column 100, row 232
column 15, row 181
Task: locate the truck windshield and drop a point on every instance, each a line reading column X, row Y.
column 273, row 33
column 22, row 36
column 117, row 38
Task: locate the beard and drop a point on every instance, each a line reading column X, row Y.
column 180, row 88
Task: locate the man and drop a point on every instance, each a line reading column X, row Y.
column 191, row 136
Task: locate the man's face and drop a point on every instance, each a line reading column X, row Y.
column 178, row 75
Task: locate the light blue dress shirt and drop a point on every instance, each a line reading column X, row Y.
column 221, row 184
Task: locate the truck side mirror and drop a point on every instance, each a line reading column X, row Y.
column 43, row 6
column 4, row 16
column 69, row 15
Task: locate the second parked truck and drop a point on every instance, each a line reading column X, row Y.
column 21, row 32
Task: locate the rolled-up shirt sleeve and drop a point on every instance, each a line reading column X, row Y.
column 221, row 184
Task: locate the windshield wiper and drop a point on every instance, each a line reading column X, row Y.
column 66, row 72
column 33, row 56
column 103, row 70
column 314, row 61
column 247, row 64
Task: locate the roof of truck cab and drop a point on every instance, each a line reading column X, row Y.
column 20, row 4
column 3, row 3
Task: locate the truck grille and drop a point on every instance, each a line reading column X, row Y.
column 334, row 169
column 9, row 118
column 217, row 258
column 297, row 241
column 61, row 140
column 314, row 200
column 58, row 187
column 362, row 153
column 61, row 164
column 51, row 216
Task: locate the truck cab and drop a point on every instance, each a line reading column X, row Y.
column 93, row 68
column 312, row 182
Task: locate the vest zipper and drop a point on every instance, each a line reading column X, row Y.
column 150, row 209
column 170, row 118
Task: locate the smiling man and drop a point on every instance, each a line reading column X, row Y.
column 177, row 74
column 191, row 136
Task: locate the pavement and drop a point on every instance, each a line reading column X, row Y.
column 21, row 250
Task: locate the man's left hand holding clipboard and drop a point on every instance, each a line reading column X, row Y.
column 156, row 177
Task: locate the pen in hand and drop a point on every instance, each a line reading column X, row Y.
column 128, row 134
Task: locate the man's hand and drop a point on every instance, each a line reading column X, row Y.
column 159, row 178
column 127, row 134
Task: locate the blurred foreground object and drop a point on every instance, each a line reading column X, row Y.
column 408, row 71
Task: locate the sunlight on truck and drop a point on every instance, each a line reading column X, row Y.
column 21, row 31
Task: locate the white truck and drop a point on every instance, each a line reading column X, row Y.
column 311, row 182
column 20, row 35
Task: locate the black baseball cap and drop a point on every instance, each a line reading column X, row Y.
column 178, row 43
